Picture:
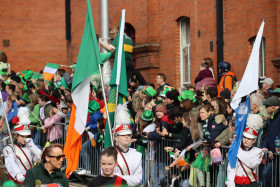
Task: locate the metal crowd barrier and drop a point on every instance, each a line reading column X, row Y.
column 156, row 161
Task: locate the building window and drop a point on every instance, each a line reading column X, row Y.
column 262, row 64
column 185, row 50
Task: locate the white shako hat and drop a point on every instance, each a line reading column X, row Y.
column 22, row 127
column 254, row 123
column 122, row 126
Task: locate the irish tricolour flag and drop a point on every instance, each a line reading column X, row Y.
column 87, row 64
column 49, row 71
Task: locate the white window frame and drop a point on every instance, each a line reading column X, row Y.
column 182, row 63
column 262, row 51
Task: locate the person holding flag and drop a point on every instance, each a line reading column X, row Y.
column 241, row 104
column 248, row 156
column 129, row 160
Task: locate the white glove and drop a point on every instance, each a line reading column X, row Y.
column 29, row 142
column 20, row 177
column 87, row 128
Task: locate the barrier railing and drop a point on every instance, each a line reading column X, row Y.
column 156, row 161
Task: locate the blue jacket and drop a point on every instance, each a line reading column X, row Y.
column 13, row 111
column 272, row 130
column 93, row 123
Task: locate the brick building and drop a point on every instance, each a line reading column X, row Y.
column 171, row 36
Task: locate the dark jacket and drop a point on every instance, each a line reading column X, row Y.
column 164, row 122
column 215, row 128
column 171, row 107
column 272, row 130
column 40, row 174
column 185, row 141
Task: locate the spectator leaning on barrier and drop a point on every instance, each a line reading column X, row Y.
column 272, row 131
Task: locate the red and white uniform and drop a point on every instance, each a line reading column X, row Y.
column 248, row 160
column 131, row 170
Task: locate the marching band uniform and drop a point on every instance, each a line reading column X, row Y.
column 25, row 155
column 247, row 163
column 129, row 162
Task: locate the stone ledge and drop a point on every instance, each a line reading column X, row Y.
column 146, row 48
column 276, row 62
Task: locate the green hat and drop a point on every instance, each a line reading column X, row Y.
column 36, row 76
column 149, row 91
column 187, row 94
column 27, row 76
column 63, row 83
column 25, row 97
column 9, row 184
column 23, row 72
column 272, row 101
column 147, row 115
column 93, row 106
column 165, row 90
column 25, row 88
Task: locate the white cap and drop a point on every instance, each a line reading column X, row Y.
column 22, row 130
column 268, row 81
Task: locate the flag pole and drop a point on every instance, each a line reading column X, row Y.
column 7, row 123
column 105, row 102
column 117, row 99
column 119, row 61
column 104, row 11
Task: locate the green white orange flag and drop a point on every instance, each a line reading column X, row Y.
column 49, row 71
column 118, row 79
column 91, row 138
column 87, row 64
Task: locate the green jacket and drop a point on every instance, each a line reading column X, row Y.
column 224, row 137
column 36, row 111
column 39, row 175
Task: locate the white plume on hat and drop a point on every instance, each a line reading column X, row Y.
column 254, row 121
column 23, row 115
column 122, row 116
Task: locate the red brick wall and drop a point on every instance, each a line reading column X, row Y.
column 242, row 20
column 155, row 22
column 36, row 30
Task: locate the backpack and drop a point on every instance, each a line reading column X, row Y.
column 216, row 156
column 233, row 78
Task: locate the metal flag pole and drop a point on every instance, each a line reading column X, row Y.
column 116, row 105
column 105, row 102
column 119, row 62
column 106, row 69
column 7, row 123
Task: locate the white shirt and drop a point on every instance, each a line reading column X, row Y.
column 134, row 162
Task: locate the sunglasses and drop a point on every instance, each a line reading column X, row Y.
column 57, row 157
